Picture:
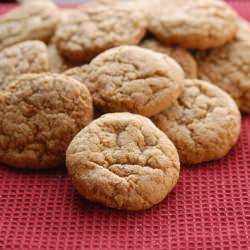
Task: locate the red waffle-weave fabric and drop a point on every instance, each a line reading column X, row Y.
column 209, row 209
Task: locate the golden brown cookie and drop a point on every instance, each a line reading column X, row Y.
column 204, row 124
column 180, row 55
column 25, row 57
column 228, row 67
column 97, row 27
column 133, row 79
column 35, row 20
column 198, row 24
column 123, row 161
column 39, row 116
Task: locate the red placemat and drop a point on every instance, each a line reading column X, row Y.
column 209, row 209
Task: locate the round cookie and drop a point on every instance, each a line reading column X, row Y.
column 98, row 27
column 133, row 79
column 228, row 67
column 35, row 20
column 197, row 24
column 39, row 116
column 182, row 56
column 123, row 161
column 204, row 124
column 25, row 57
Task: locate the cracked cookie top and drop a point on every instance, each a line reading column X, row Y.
column 25, row 57
column 198, row 24
column 97, row 27
column 39, row 116
column 204, row 123
column 133, row 79
column 180, row 55
column 35, row 20
column 123, row 161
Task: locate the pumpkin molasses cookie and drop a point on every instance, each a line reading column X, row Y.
column 204, row 123
column 123, row 161
column 35, row 20
column 134, row 79
column 197, row 24
column 97, row 27
column 39, row 116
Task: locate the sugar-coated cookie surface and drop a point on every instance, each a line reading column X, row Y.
column 204, row 124
column 97, row 27
column 34, row 20
column 180, row 55
column 25, row 57
column 134, row 79
column 39, row 116
column 123, row 161
column 198, row 24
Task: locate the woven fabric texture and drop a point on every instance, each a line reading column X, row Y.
column 209, row 208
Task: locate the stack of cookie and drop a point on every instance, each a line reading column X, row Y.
column 122, row 92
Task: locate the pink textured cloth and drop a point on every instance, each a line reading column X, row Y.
column 209, row 208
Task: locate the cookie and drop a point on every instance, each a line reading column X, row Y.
column 25, row 57
column 228, row 67
column 198, row 24
column 133, row 79
column 39, row 116
column 98, row 27
column 123, row 161
column 204, row 123
column 35, row 20
column 180, row 55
